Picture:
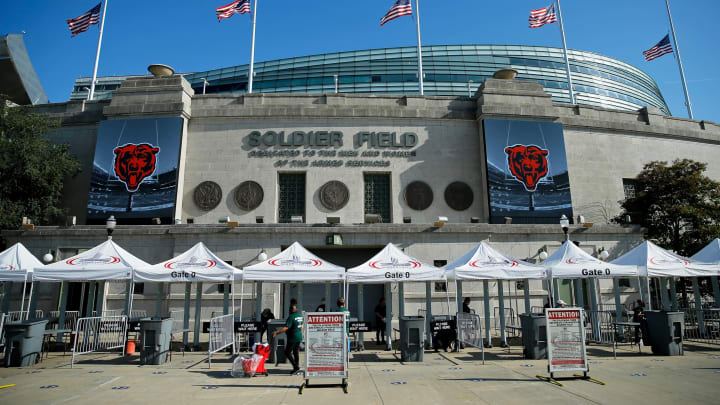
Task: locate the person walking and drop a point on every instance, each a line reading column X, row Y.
column 293, row 330
column 380, row 314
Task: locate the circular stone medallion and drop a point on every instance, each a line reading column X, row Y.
column 459, row 196
column 207, row 195
column 249, row 195
column 334, row 195
column 418, row 195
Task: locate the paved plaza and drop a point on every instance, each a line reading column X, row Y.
column 376, row 377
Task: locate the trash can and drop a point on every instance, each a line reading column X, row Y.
column 666, row 331
column 23, row 342
column 412, row 332
column 534, row 336
column 155, row 337
column 277, row 345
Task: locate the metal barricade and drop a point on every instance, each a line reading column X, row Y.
column 537, row 310
column 71, row 318
column 136, row 313
column 512, row 324
column 221, row 335
column 99, row 333
column 469, row 331
column 2, row 329
column 702, row 326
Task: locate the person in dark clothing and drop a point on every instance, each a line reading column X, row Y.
column 466, row 305
column 265, row 316
column 293, row 330
column 638, row 315
column 380, row 314
column 321, row 307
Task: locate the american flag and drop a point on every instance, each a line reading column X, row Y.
column 658, row 50
column 83, row 22
column 543, row 16
column 236, row 7
column 399, row 9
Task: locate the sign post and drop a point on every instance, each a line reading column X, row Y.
column 326, row 347
column 566, row 344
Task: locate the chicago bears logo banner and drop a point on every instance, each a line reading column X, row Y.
column 527, row 171
column 135, row 170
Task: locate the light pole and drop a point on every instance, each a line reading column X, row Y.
column 565, row 225
column 205, row 83
column 110, row 226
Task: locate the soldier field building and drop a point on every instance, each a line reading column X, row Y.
column 339, row 153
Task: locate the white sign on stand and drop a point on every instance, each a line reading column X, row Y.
column 565, row 340
column 326, row 346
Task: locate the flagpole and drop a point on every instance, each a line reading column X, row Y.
column 682, row 72
column 97, row 54
column 565, row 52
column 419, row 47
column 252, row 50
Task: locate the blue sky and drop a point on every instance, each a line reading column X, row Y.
column 186, row 35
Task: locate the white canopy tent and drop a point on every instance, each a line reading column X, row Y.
column 294, row 264
column 485, row 263
column 654, row 261
column 105, row 262
column 196, row 265
column 17, row 265
column 571, row 262
column 711, row 254
column 392, row 264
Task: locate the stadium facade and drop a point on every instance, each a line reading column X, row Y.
column 450, row 70
column 344, row 174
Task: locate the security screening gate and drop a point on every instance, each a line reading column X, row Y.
column 99, row 333
column 326, row 347
column 221, row 335
column 566, row 344
column 469, row 331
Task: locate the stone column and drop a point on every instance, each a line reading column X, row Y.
column 486, row 305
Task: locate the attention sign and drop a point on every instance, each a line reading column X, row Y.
column 566, row 340
column 326, row 344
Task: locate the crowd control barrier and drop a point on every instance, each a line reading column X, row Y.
column 99, row 333
column 469, row 331
column 221, row 335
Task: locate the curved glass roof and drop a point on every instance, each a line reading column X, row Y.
column 449, row 70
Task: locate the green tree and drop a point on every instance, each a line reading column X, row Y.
column 32, row 168
column 678, row 204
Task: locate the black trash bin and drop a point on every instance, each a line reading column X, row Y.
column 534, row 336
column 155, row 335
column 412, row 333
column 666, row 331
column 23, row 342
column 277, row 345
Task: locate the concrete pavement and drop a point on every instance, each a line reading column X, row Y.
column 376, row 377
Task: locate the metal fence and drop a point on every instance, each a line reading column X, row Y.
column 16, row 316
column 2, row 329
column 71, row 318
column 221, row 335
column 469, row 331
column 100, row 333
column 512, row 322
column 702, row 325
column 599, row 326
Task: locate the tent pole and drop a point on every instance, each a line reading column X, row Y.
column 360, row 314
column 698, row 305
column 226, row 299
column 22, row 301
column 673, row 294
column 258, row 306
column 33, row 300
column 428, row 311
column 526, row 294
column 458, row 295
column 486, row 305
column 186, row 315
column 91, row 299
column 198, row 315
column 388, row 316
column 649, row 293
column 64, row 286
column 556, row 292
column 501, row 301
column 100, row 299
column 401, row 299
column 232, row 288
